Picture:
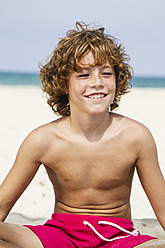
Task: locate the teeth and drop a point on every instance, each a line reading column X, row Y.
column 96, row 96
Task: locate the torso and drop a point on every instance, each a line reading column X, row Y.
column 92, row 177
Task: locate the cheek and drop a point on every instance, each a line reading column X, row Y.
column 79, row 89
column 113, row 87
column 113, row 91
column 75, row 91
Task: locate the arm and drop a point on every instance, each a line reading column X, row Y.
column 150, row 174
column 24, row 169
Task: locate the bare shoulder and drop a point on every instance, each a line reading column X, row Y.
column 40, row 139
column 133, row 129
column 45, row 131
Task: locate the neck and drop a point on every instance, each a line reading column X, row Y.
column 92, row 127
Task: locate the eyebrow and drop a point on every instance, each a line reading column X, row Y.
column 107, row 67
column 102, row 67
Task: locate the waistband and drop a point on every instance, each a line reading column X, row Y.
column 94, row 219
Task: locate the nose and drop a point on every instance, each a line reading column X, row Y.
column 96, row 82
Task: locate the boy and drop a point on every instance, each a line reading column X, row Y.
column 90, row 154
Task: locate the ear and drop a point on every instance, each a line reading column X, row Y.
column 66, row 90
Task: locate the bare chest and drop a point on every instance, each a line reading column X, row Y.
column 78, row 165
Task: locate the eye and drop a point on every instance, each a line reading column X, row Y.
column 107, row 73
column 83, row 75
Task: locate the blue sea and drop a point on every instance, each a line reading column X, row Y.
column 14, row 79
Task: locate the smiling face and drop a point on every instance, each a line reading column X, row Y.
column 93, row 89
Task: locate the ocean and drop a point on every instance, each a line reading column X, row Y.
column 14, row 79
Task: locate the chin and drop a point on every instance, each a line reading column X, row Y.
column 98, row 111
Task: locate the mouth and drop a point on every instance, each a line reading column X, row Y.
column 96, row 96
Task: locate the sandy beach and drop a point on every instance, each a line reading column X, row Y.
column 23, row 108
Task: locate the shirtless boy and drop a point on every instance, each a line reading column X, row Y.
column 90, row 153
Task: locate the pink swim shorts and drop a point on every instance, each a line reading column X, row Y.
column 73, row 230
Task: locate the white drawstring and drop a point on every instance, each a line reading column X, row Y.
column 134, row 233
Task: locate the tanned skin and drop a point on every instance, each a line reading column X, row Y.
column 90, row 157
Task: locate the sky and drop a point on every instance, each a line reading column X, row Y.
column 30, row 30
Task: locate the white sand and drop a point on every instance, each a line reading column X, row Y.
column 23, row 108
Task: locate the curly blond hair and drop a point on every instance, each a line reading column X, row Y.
column 65, row 59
